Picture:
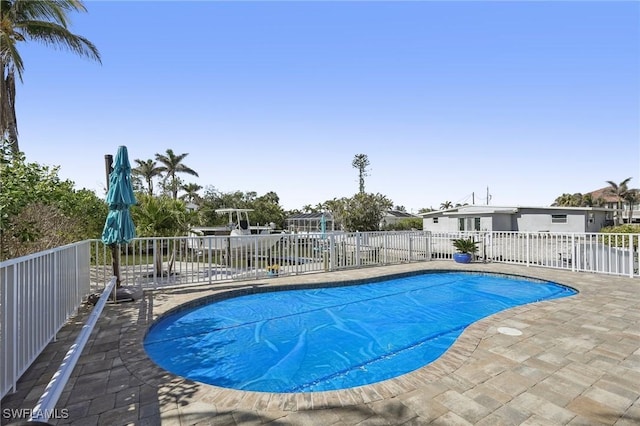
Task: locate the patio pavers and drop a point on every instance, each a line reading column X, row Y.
column 577, row 362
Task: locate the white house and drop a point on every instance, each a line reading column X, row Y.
column 523, row 219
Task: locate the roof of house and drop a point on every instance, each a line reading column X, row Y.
column 310, row 216
column 604, row 194
column 478, row 209
column 401, row 214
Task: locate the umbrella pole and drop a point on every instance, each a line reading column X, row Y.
column 115, row 256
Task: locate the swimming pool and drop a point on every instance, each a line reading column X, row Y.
column 333, row 337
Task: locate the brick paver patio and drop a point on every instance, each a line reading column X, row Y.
column 576, row 363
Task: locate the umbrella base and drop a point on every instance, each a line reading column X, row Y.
column 123, row 294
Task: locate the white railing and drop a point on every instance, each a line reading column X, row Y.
column 161, row 262
column 38, row 294
column 47, row 402
column 612, row 254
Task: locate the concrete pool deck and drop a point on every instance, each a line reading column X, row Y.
column 577, row 362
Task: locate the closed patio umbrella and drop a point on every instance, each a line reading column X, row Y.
column 119, row 227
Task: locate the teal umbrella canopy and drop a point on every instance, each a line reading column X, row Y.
column 119, row 227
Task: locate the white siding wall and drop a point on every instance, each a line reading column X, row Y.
column 526, row 220
column 599, row 219
column 445, row 224
column 541, row 221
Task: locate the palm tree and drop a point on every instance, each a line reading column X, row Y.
column 619, row 191
column 160, row 217
column 147, row 170
column 172, row 164
column 44, row 21
column 191, row 193
column 632, row 197
column 446, row 205
column 563, row 200
column 361, row 162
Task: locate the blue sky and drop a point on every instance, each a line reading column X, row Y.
column 529, row 99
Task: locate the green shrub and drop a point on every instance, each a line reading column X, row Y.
column 608, row 238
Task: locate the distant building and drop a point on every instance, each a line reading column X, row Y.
column 310, row 222
column 611, row 201
column 523, row 219
column 392, row 217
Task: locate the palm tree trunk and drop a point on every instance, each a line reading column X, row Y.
column 172, row 260
column 158, row 260
column 620, row 213
column 8, row 121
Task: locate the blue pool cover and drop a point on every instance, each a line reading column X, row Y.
column 333, row 338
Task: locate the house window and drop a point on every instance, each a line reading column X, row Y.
column 476, row 224
column 435, row 220
column 461, row 224
column 558, row 218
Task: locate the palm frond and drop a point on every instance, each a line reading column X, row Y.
column 58, row 36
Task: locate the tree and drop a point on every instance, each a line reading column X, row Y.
column 363, row 211
column 191, row 193
column 446, row 205
column 577, row 200
column 632, row 197
column 426, row 210
column 568, row 200
column 267, row 210
column 618, row 190
column 171, row 165
column 39, row 211
column 147, row 170
column 361, row 162
column 405, row 225
column 160, row 217
column 266, row 207
column 337, row 208
column 43, row 21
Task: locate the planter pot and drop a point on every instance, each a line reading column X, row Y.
column 462, row 257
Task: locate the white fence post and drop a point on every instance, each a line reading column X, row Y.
column 410, row 249
column 630, row 255
column 332, row 252
column 573, row 252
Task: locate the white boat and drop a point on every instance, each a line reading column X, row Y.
column 236, row 234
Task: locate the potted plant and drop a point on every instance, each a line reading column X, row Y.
column 466, row 249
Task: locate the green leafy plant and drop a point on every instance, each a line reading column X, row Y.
column 466, row 245
column 619, row 236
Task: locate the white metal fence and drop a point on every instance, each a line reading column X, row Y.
column 161, row 262
column 38, row 294
column 612, row 254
